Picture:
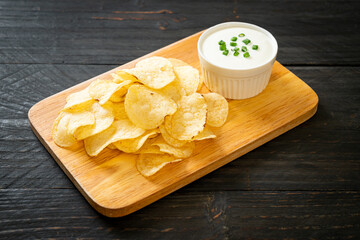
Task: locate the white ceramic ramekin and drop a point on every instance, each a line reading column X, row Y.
column 236, row 83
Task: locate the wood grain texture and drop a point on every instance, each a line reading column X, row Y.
column 110, row 181
column 63, row 213
column 116, row 32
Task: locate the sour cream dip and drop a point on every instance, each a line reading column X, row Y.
column 236, row 59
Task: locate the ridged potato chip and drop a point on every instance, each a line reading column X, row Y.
column 103, row 90
column 119, row 130
column 146, row 108
column 78, row 101
column 205, row 134
column 179, row 152
column 154, row 72
column 189, row 120
column 148, row 164
column 133, row 145
column 218, row 109
column 121, row 76
column 103, row 119
column 169, row 139
column 189, row 78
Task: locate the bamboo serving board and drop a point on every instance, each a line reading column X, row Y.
column 110, row 181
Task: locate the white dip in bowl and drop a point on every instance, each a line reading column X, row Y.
column 241, row 75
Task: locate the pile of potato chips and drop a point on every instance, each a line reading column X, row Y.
column 152, row 110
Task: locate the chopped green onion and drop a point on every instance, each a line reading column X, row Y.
column 244, row 49
column 241, row 35
column 235, row 49
column 233, row 44
column 255, row 47
column 233, row 39
column 246, row 41
column 223, row 47
column 246, row 55
column 226, row 52
column 236, row 53
column 221, row 42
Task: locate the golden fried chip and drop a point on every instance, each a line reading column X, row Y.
column 79, row 119
column 132, row 145
column 148, row 148
column 103, row 119
column 148, row 164
column 154, row 72
column 189, row 120
column 111, row 146
column 201, row 81
column 121, row 76
column 60, row 133
column 189, row 78
column 103, row 90
column 218, row 109
column 177, row 62
column 78, row 101
column 119, row 111
column 181, row 152
column 67, row 123
column 172, row 90
column 119, row 130
column 205, row 134
column 169, row 139
column 147, row 108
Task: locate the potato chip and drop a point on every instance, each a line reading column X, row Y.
column 67, row 123
column 119, row 130
column 78, row 101
column 121, row 76
column 60, row 133
column 201, row 81
column 103, row 119
column 177, row 62
column 149, row 148
column 205, row 134
column 132, row 145
column 172, row 90
column 149, row 164
column 103, row 90
column 111, row 146
column 182, row 152
column 79, row 119
column 169, row 139
column 154, row 72
column 189, row 78
column 189, row 120
column 128, row 112
column 119, row 95
column 147, row 108
column 119, row 111
column 218, row 109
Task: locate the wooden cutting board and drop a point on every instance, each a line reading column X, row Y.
column 110, row 181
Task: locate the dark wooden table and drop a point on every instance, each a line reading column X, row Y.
column 304, row 184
